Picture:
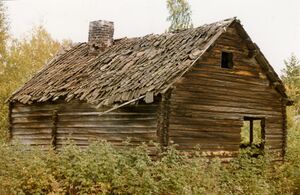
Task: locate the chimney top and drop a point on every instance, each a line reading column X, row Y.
column 100, row 35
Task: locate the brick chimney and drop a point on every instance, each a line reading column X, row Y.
column 101, row 34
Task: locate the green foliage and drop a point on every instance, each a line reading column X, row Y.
column 179, row 15
column 291, row 79
column 103, row 169
column 3, row 34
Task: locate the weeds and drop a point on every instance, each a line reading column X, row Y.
column 103, row 169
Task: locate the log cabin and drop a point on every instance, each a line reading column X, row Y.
column 198, row 87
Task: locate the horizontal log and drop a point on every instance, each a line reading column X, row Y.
column 107, row 125
column 36, row 114
column 199, row 128
column 120, row 118
column 202, row 121
column 216, row 81
column 32, row 132
column 40, row 119
column 201, row 98
column 79, row 107
column 232, row 104
column 247, row 66
column 29, row 141
column 106, row 131
column 39, row 136
column 243, row 92
column 217, row 93
column 183, row 108
column 205, row 134
column 81, row 138
column 218, row 115
column 219, row 140
column 99, row 113
column 32, row 126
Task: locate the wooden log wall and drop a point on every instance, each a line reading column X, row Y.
column 208, row 104
column 34, row 125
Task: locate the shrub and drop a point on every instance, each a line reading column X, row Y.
column 103, row 169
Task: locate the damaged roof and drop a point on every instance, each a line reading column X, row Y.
column 132, row 68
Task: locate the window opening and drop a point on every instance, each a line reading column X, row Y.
column 253, row 133
column 227, row 60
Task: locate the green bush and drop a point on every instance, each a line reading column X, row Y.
column 103, row 169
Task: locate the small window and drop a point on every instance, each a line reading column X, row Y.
column 227, row 60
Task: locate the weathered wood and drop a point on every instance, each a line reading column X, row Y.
column 163, row 119
column 50, row 123
column 284, row 127
column 209, row 104
column 136, row 122
column 54, row 129
column 251, row 132
column 10, row 119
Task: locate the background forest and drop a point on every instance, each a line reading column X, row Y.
column 101, row 169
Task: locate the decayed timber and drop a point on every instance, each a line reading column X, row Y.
column 163, row 119
column 209, row 104
column 10, row 134
column 284, row 126
column 163, row 88
column 54, row 129
column 54, row 124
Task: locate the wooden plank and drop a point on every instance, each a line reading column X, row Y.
column 108, row 137
column 31, row 131
column 117, row 118
column 224, row 109
column 33, row 136
column 107, row 130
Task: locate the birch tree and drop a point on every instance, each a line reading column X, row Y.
column 180, row 15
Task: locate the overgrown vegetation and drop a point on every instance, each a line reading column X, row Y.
column 290, row 77
column 102, row 169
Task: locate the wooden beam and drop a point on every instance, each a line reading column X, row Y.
column 119, row 106
column 10, row 133
column 284, row 127
column 263, row 133
column 163, row 119
column 54, row 129
column 251, row 132
column 249, row 118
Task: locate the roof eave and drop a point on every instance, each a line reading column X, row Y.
column 261, row 59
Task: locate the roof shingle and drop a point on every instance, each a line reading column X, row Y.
column 129, row 69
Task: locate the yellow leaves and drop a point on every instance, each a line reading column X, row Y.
column 24, row 57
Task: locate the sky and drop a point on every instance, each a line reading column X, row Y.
column 273, row 24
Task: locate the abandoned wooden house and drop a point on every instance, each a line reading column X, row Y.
column 192, row 87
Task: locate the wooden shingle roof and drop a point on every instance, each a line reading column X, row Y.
column 129, row 69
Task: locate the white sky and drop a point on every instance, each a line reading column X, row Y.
column 273, row 24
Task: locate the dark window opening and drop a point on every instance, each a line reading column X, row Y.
column 253, row 133
column 226, row 61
